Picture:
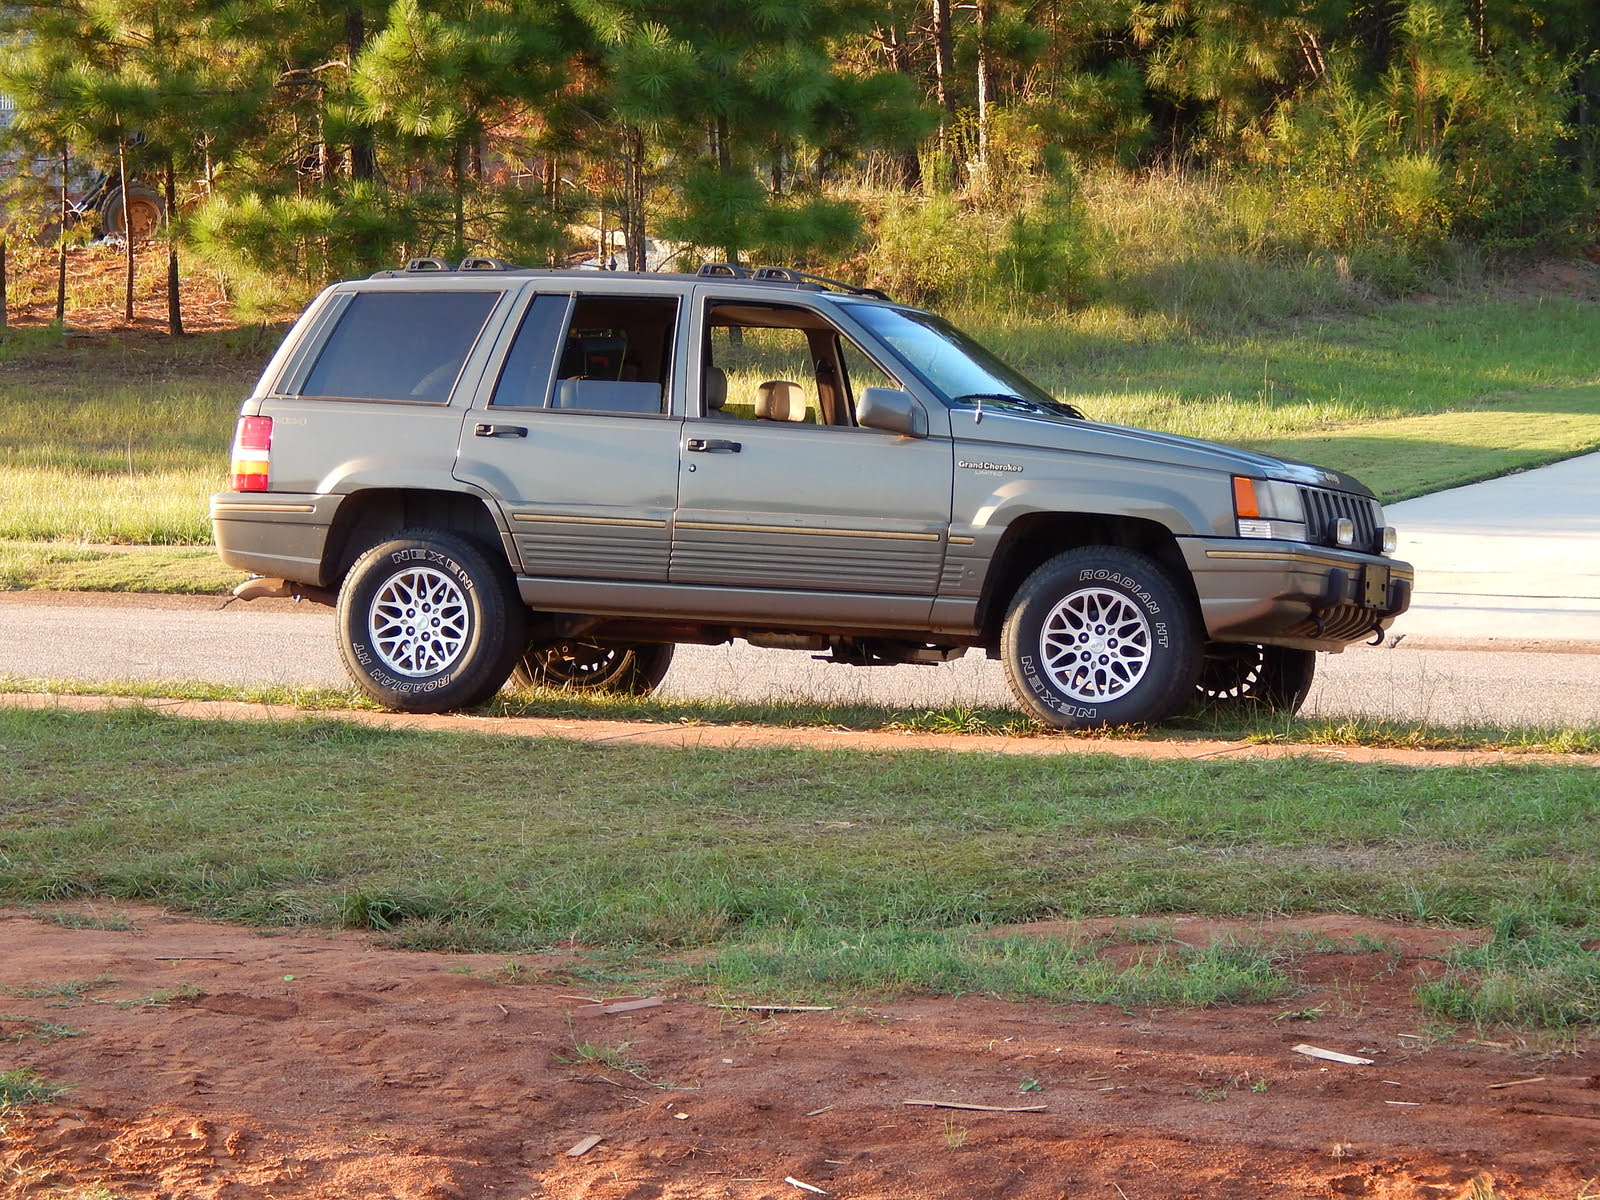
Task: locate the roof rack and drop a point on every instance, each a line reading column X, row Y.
column 787, row 275
column 477, row 262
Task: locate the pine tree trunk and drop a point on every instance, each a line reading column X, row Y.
column 127, row 230
column 174, row 298
column 900, row 61
column 363, row 156
column 633, row 217
column 61, row 244
column 458, row 185
column 943, row 59
column 985, row 80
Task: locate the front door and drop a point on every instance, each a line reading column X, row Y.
column 780, row 489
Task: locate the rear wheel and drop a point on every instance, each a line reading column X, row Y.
column 632, row 668
column 1100, row 636
column 428, row 622
column 1238, row 675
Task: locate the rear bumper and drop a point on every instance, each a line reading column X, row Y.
column 1289, row 594
column 280, row 534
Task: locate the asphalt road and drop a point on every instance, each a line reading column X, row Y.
column 101, row 638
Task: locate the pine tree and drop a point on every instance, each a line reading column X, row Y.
column 738, row 100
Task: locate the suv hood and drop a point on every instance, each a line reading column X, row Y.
column 1079, row 436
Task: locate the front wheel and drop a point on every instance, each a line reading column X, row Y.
column 1242, row 675
column 427, row 622
column 1100, row 636
column 633, row 669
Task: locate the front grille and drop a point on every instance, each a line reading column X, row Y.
column 1324, row 507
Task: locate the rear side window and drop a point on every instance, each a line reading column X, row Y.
column 400, row 345
column 606, row 354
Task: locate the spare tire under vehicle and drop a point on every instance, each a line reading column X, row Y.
column 1241, row 675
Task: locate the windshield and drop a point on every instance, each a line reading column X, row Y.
column 956, row 367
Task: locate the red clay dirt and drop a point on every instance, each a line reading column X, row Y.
column 221, row 1062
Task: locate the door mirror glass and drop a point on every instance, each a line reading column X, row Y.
column 892, row 410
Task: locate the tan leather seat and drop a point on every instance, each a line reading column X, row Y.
column 780, row 400
column 716, row 393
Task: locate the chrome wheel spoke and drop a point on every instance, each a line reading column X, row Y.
column 1095, row 645
column 419, row 622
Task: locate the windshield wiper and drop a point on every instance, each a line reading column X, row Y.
column 1022, row 402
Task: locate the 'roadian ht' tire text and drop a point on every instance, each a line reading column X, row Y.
column 1100, row 636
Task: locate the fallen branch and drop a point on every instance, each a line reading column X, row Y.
column 1332, row 1055
column 620, row 1006
column 777, row 1008
column 980, row 1107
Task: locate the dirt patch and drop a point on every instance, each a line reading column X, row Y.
column 97, row 290
column 220, row 1062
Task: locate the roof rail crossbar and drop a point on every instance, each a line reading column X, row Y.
column 787, row 275
column 803, row 277
column 482, row 262
column 428, row 264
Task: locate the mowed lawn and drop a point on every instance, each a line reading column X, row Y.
column 813, row 872
column 105, row 442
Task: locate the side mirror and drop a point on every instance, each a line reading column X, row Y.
column 891, row 410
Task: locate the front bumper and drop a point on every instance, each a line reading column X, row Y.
column 1291, row 594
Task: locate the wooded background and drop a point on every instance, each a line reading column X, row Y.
column 315, row 139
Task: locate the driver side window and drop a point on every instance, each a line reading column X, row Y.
column 781, row 363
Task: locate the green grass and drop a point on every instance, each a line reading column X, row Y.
column 819, row 965
column 495, row 843
column 68, row 567
column 1410, row 398
column 24, row 1085
column 817, row 714
column 114, row 441
column 1530, row 973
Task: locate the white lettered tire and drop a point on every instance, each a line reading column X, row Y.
column 427, row 622
column 1101, row 636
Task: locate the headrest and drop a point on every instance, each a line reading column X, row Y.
column 716, row 388
column 781, row 400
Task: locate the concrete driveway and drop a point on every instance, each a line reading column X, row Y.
column 1511, row 562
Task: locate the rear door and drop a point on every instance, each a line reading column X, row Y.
column 575, row 435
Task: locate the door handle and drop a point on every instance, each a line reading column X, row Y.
column 710, row 445
column 500, row 431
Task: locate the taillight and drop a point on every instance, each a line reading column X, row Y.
column 252, row 454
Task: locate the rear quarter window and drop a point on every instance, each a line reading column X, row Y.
column 400, row 346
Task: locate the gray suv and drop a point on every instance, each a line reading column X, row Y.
column 500, row 472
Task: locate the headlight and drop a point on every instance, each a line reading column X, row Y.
column 1268, row 508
